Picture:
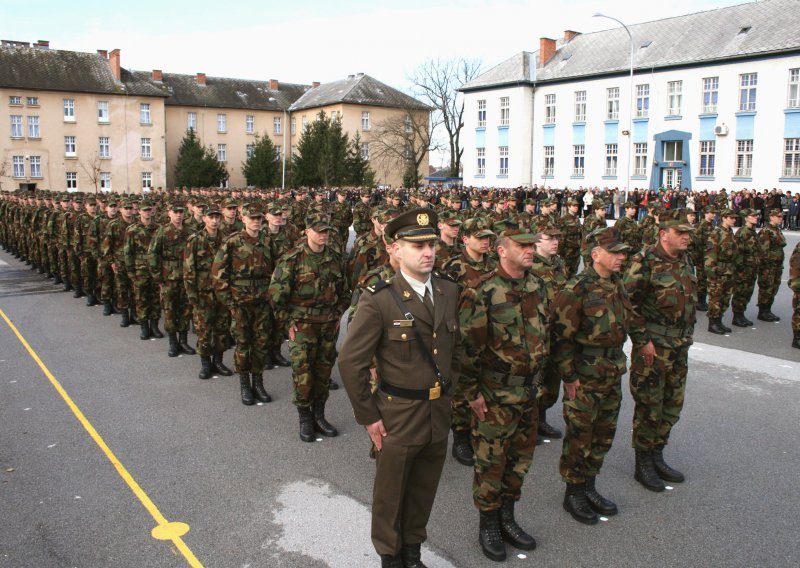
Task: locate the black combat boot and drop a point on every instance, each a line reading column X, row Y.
column 597, row 502
column 154, row 331
column 646, row 472
column 219, row 366
column 715, row 326
column 108, row 309
column 78, row 291
column 412, row 556
column 702, row 304
column 144, row 331
column 278, row 359
column 306, row 423
column 58, row 280
column 247, row 392
column 388, row 561
column 490, row 537
column 40, row 269
column 125, row 321
column 183, row 345
column 577, row 505
column 725, row 327
column 740, row 321
column 462, row 447
column 765, row 313
column 663, row 470
column 205, row 367
column 268, row 364
column 334, row 385
column 796, row 340
column 320, row 424
column 259, row 393
column 67, row 285
column 511, row 531
column 91, row 299
column 173, row 348
column 545, row 430
column 49, row 275
column 132, row 316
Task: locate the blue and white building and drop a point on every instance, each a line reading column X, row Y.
column 714, row 102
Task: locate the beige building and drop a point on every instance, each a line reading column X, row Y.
column 80, row 121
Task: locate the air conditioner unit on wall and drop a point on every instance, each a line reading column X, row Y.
column 721, row 130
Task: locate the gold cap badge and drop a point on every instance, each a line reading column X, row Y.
column 423, row 220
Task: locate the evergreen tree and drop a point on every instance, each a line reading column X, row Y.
column 358, row 171
column 198, row 166
column 322, row 154
column 263, row 167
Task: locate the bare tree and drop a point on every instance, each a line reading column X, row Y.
column 402, row 142
column 437, row 82
column 92, row 169
column 3, row 169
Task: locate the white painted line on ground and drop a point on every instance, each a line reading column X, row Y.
column 744, row 361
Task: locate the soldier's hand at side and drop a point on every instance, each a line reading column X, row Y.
column 377, row 433
column 478, row 407
column 114, row 267
column 648, row 351
column 292, row 330
column 571, row 389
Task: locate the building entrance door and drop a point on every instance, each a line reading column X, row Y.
column 671, row 177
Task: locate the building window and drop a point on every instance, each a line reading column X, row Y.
column 276, row 125
column 18, row 166
column 744, row 158
column 747, row 91
column 222, row 123
column 249, row 124
column 105, row 147
column 334, row 115
column 710, row 94
column 144, row 114
column 147, row 152
column 791, row 158
column 505, row 111
column 294, row 150
column 105, row 181
column 304, row 124
column 16, row 126
column 294, row 125
column 407, row 126
column 69, row 146
column 191, row 121
column 549, row 109
column 794, row 88
column 15, row 100
column 249, row 150
column 611, row 159
column 147, row 180
column 578, row 159
column 222, row 152
column 480, row 161
column 673, row 151
column 278, row 152
column 674, row 97
column 33, row 101
column 549, row 160
column 642, row 101
column 69, row 110
column 33, row 127
column 482, row 113
column 365, row 121
column 612, row 103
column 640, row 161
column 102, row 111
column 36, row 166
column 503, row 160
column 72, row 180
column 365, row 150
column 707, row 157
column 580, row 106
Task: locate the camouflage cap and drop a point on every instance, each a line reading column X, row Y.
column 708, row 209
column 598, row 204
column 177, row 206
column 252, row 210
column 630, row 205
column 573, row 201
column 230, row 202
column 91, row 200
column 530, row 201
column 775, row 212
column 675, row 219
column 274, row 208
column 474, row 197
column 547, row 228
column 606, row 238
column 449, row 218
column 112, row 201
column 145, row 205
column 213, row 209
column 747, row 212
column 548, row 201
column 517, row 234
column 653, row 205
column 476, row 227
column 318, row 221
column 728, row 213
column 414, row 225
column 126, row 204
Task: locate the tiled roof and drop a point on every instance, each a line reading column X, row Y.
column 357, row 89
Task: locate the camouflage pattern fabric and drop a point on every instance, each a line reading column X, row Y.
column 697, row 251
column 794, row 284
column 590, row 224
column 313, row 354
column 210, row 316
column 113, row 252
column 769, row 274
column 445, row 252
column 569, row 247
column 341, row 219
column 362, row 219
column 105, row 275
column 719, row 264
column 145, row 289
column 166, row 264
column 748, row 259
column 367, row 253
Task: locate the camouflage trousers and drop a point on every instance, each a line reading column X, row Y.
column 462, row 413
column 75, row 273
column 658, row 391
column 89, row 273
column 64, row 263
column 53, row 257
column 720, row 290
column 250, row 329
column 591, row 423
column 548, row 388
column 145, row 296
column 106, row 277
column 702, row 279
column 175, row 306
column 796, row 312
column 122, row 286
column 503, row 443
column 44, row 254
column 743, row 288
column 769, row 280
column 210, row 323
column 571, row 263
column 313, row 354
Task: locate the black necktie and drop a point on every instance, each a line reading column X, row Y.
column 427, row 301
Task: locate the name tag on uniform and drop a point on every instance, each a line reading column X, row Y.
column 402, row 323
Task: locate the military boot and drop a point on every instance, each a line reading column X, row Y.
column 646, row 472
column 205, row 367
column 511, row 531
column 125, row 321
column 144, row 331
column 78, row 292
column 173, row 348
column 259, row 393
column 796, row 340
column 546, row 430
column 278, row 359
column 306, row 423
column 389, row 561
column 154, row 331
column 663, row 470
column 334, row 385
column 132, row 316
column 321, row 425
column 58, row 280
column 219, row 366
column 740, row 321
column 108, row 309
column 715, row 326
column 490, row 537
column 577, row 505
column 597, row 502
column 702, row 304
column 725, row 327
column 412, row 556
column 183, row 345
column 765, row 313
column 247, row 392
column 462, row 448
column 67, row 285
column 91, row 299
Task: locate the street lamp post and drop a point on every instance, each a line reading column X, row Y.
column 630, row 105
column 283, row 152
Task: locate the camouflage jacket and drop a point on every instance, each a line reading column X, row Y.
column 591, row 223
column 66, row 228
column 53, row 224
column 749, row 250
column 80, row 233
column 445, row 252
column 228, row 229
column 629, row 232
column 649, row 231
column 362, row 218
column 198, row 260
column 297, row 214
column 97, row 231
column 794, row 269
column 367, row 253
column 772, row 244
column 341, row 215
column 166, row 252
column 242, row 269
column 371, row 278
column 466, row 272
column 590, row 313
column 112, row 248
column 283, row 241
column 663, row 293
column 137, row 246
column 552, row 272
column 720, row 252
column 193, row 225
column 570, row 244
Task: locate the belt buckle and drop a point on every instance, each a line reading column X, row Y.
column 434, row 392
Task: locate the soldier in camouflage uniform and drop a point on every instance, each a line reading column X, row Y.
column 362, row 213
column 794, row 284
column 769, row 274
column 166, row 263
column 449, row 245
column 369, row 251
column 112, row 250
column 526, row 217
column 629, row 231
column 719, row 261
column 241, row 274
column 748, row 258
column 105, row 275
column 569, row 247
column 663, row 293
column 230, row 220
column 297, row 215
column 588, row 331
column 342, row 215
column 145, row 289
column 65, row 256
column 590, row 224
column 700, row 244
column 505, row 342
column 309, row 294
column 82, row 244
column 53, row 224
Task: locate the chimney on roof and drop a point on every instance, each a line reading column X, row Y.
column 42, row 44
column 113, row 60
column 158, row 75
column 351, row 76
column 273, row 85
column 200, row 79
column 547, row 48
column 569, row 34
column 103, row 53
column 315, row 84
column 360, row 74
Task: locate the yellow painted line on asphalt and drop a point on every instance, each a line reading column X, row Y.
column 164, row 530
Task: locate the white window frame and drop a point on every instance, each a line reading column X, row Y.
column 793, row 100
column 744, row 158
column 550, row 108
column 222, row 123
column 505, row 111
column 33, row 127
column 69, row 110
column 145, row 118
column 17, row 131
column 482, row 113
column 222, row 152
column 278, row 152
column 70, row 146
column 103, row 116
column 334, row 115
column 612, row 103
column 365, row 121
column 503, row 152
column 612, row 159
column 791, row 158
column 578, row 159
column 191, row 120
column 643, row 100
column 36, row 166
column 15, row 100
column 748, row 83
column 480, row 161
column 674, row 98
column 549, row 160
column 72, row 180
column 249, row 150
column 249, row 124
column 105, row 181
column 708, row 158
column 294, row 125
column 671, row 150
column 580, row 106
column 408, row 126
column 147, row 180
column 32, row 101
column 146, row 147
column 640, row 159
column 364, row 151
column 18, row 166
column 104, row 147
column 710, row 94
column 277, row 125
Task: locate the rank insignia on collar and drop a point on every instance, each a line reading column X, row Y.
column 406, row 294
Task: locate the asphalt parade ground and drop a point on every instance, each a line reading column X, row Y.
column 113, row 454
